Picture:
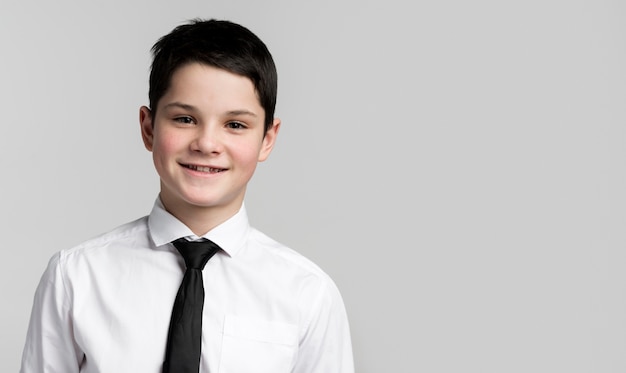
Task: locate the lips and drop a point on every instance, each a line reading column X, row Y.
column 206, row 169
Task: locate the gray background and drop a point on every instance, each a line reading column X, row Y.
column 458, row 167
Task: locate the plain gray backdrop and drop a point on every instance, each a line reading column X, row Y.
column 458, row 167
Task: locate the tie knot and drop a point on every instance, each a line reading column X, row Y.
column 196, row 253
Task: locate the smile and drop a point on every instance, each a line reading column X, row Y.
column 209, row 170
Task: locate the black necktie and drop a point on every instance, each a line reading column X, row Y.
column 183, row 343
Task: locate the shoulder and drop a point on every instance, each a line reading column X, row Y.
column 313, row 289
column 279, row 252
column 129, row 234
column 289, row 266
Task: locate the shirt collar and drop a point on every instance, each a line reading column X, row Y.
column 229, row 235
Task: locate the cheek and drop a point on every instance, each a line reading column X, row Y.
column 247, row 155
column 164, row 153
column 243, row 164
column 165, row 145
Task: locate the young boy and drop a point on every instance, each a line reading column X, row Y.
column 107, row 304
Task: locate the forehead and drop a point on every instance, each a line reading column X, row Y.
column 200, row 75
column 197, row 83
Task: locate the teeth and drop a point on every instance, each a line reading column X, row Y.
column 204, row 169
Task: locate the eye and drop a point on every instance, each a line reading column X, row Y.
column 235, row 125
column 184, row 120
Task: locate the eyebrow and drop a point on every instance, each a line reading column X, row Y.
column 183, row 106
column 179, row 105
column 241, row 112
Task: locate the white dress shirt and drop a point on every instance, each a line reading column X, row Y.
column 105, row 305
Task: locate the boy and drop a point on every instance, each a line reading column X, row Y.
column 107, row 304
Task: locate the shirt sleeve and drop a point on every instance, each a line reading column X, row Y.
column 50, row 345
column 326, row 345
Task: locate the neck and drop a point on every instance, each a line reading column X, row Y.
column 198, row 218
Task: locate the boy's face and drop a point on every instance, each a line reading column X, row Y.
column 206, row 139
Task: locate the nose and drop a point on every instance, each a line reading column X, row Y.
column 207, row 139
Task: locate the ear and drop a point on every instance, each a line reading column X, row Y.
column 147, row 129
column 269, row 140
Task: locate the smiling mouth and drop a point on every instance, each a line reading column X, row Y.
column 209, row 170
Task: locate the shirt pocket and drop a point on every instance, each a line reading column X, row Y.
column 257, row 346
